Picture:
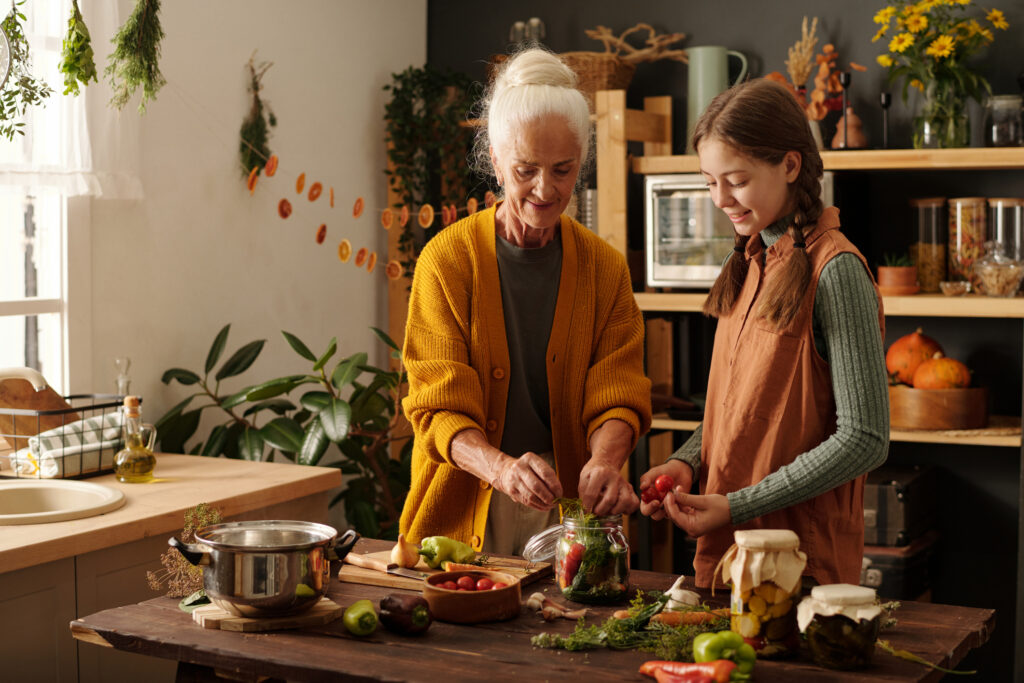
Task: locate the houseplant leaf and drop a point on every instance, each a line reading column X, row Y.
column 348, row 370
column 214, row 445
column 331, row 348
column 250, row 444
column 178, row 430
column 234, row 399
column 299, row 347
column 315, row 401
column 314, row 444
column 217, row 348
column 241, row 360
column 173, row 412
column 335, row 418
column 283, row 433
column 385, row 338
column 279, row 406
column 182, row 375
column 274, row 387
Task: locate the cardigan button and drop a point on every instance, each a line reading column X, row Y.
column 477, row 542
column 491, row 425
column 484, row 485
column 498, row 373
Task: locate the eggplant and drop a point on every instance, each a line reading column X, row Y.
column 406, row 614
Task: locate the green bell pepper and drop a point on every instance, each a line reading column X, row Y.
column 708, row 647
column 360, row 618
column 438, row 549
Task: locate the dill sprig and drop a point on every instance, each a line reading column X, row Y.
column 180, row 575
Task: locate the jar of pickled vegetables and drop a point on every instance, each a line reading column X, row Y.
column 840, row 622
column 929, row 252
column 967, row 237
column 765, row 567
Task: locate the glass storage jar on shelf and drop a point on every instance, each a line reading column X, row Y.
column 840, row 622
column 929, row 252
column 967, row 235
column 999, row 275
column 1006, row 225
column 765, row 568
column 1003, row 121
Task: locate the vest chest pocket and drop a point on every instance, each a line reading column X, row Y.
column 764, row 370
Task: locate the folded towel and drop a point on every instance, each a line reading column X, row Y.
column 86, row 445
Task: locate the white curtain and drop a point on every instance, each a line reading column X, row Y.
column 75, row 145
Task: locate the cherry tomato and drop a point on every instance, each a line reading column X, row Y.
column 649, row 494
column 466, row 582
column 484, row 584
column 499, row 584
column 449, row 585
column 664, row 484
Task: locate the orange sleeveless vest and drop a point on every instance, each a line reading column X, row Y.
column 770, row 399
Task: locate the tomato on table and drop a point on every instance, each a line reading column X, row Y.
column 466, row 582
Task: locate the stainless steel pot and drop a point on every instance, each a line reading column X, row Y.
column 266, row 568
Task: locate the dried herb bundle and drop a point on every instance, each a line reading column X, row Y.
column 21, row 90
column 180, row 575
column 77, row 63
column 801, row 55
column 133, row 62
column 252, row 149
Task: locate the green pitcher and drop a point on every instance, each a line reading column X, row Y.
column 707, row 75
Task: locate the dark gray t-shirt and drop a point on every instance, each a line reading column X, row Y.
column 529, row 291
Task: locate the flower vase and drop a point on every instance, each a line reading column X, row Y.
column 942, row 121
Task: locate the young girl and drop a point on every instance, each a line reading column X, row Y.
column 797, row 405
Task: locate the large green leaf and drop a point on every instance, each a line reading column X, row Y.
column 274, row 387
column 348, row 370
column 369, row 405
column 299, row 346
column 241, row 360
column 217, row 348
column 181, row 374
column 331, row 348
column 283, row 433
column 385, row 338
column 276, row 405
column 234, row 399
column 315, row 401
column 176, row 432
column 250, row 444
column 173, row 412
column 335, row 418
column 314, row 444
column 362, row 517
column 231, row 439
column 215, row 443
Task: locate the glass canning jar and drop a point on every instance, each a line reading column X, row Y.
column 967, row 235
column 1006, row 225
column 929, row 252
column 841, row 623
column 1003, row 121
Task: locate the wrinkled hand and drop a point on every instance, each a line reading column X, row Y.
column 681, row 472
column 603, row 491
column 697, row 515
column 529, row 480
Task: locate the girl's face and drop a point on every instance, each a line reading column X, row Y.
column 752, row 193
column 537, row 166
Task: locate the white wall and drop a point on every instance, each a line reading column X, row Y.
column 198, row 252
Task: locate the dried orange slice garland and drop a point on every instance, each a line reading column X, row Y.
column 393, row 270
column 300, row 183
column 403, row 217
column 471, row 205
column 426, row 216
column 271, row 168
column 387, row 218
column 332, row 197
column 344, row 251
column 489, row 199
column 284, row 208
column 361, row 256
column 251, row 181
column 314, row 191
column 321, row 233
column 357, row 208
column 371, row 262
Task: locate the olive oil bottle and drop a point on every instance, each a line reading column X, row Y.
column 135, row 462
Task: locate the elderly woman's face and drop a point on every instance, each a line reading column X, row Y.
column 538, row 166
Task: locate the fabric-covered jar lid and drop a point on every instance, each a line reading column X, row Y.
column 853, row 602
column 767, row 539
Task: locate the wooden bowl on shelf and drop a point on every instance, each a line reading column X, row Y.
column 938, row 409
column 473, row 607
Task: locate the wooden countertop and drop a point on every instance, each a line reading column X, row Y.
column 158, row 507
column 498, row 651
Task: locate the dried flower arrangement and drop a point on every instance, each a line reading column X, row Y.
column 657, row 47
column 181, row 577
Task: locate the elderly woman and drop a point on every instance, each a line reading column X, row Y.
column 524, row 345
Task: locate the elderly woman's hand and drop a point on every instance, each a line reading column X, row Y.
column 529, row 480
column 603, row 491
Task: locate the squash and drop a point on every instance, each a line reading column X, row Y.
column 939, row 372
column 908, row 352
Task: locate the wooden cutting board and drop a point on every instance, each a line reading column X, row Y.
column 19, row 394
column 211, row 616
column 526, row 572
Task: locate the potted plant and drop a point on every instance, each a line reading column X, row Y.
column 260, row 422
column 897, row 276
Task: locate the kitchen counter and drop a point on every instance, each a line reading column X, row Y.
column 157, row 508
column 499, row 651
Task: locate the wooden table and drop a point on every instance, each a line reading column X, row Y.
column 495, row 652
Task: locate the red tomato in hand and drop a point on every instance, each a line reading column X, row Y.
column 649, row 494
column 484, row 584
column 664, row 484
column 466, row 583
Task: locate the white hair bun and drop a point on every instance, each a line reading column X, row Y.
column 535, row 67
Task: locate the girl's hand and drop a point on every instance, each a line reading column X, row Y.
column 529, row 480
column 697, row 515
column 681, row 472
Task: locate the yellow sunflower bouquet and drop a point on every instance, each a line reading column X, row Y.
column 929, row 43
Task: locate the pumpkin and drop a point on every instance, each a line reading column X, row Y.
column 939, row 372
column 908, row 352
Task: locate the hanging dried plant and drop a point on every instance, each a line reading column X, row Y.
column 181, row 577
column 20, row 91
column 252, row 149
column 133, row 62
column 77, row 63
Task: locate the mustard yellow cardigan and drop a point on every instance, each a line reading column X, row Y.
column 457, row 359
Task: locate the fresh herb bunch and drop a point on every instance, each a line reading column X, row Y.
column 21, row 90
column 181, row 576
column 253, row 149
column 77, row 63
column 133, row 63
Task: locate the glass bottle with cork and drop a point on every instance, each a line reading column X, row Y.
column 135, row 462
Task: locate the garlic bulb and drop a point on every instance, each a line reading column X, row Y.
column 679, row 597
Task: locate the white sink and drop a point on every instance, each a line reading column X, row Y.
column 54, row 500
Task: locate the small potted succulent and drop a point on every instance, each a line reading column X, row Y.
column 898, row 275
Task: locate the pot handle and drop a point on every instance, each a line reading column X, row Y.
column 343, row 545
column 191, row 552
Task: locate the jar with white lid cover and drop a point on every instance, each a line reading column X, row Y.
column 841, row 623
column 765, row 567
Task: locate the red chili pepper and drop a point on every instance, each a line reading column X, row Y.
column 719, row 670
column 663, row 676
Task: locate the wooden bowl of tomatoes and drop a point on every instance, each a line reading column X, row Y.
column 472, row 597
